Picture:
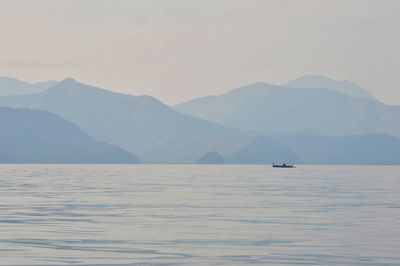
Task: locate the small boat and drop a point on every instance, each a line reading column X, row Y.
column 284, row 165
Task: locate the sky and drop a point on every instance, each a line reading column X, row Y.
column 177, row 50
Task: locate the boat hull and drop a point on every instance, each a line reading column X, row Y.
column 282, row 166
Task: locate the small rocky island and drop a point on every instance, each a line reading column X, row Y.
column 211, row 157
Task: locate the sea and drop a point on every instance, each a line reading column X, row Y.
column 199, row 215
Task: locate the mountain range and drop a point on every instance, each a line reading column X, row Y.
column 29, row 136
column 269, row 108
column 12, row 86
column 258, row 123
column 140, row 124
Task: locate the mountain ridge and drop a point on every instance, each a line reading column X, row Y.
column 141, row 124
column 347, row 87
column 367, row 149
column 159, row 134
column 13, row 86
column 272, row 108
column 31, row 136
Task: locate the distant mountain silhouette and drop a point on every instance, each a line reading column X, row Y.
column 262, row 151
column 269, row 108
column 356, row 149
column 211, row 157
column 12, row 86
column 321, row 82
column 29, row 136
column 140, row 124
column 158, row 134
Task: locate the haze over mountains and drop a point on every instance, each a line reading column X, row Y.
column 139, row 124
column 270, row 108
column 321, row 82
column 12, row 86
column 354, row 149
column 29, row 136
column 263, row 151
column 211, row 157
column 256, row 124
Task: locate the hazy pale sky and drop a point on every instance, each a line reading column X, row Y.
column 180, row 49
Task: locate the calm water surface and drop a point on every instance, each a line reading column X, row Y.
column 199, row 215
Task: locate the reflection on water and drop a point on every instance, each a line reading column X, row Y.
column 191, row 215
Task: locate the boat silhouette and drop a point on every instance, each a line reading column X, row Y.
column 284, row 165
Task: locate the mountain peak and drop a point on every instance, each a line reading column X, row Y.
column 322, row 82
column 253, row 87
column 260, row 84
column 13, row 86
column 68, row 81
